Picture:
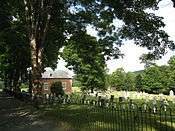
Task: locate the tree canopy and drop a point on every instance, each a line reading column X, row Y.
column 47, row 25
column 84, row 54
column 153, row 79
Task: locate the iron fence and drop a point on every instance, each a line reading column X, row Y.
column 91, row 115
column 82, row 114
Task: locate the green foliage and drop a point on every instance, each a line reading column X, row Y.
column 139, row 82
column 153, row 79
column 157, row 79
column 41, row 28
column 122, row 80
column 85, row 55
column 57, row 88
column 117, row 79
column 15, row 54
column 23, row 86
column 148, row 59
column 75, row 82
column 129, row 82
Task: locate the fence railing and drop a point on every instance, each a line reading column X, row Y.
column 82, row 114
column 99, row 115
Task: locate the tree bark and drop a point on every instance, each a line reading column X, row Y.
column 38, row 21
column 36, row 56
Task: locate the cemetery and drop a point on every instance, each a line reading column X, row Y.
column 83, row 112
column 87, row 65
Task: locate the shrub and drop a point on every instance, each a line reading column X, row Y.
column 57, row 88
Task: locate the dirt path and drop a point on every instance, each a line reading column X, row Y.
column 18, row 116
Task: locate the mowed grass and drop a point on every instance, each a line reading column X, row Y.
column 88, row 118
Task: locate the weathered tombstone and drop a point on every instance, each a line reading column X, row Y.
column 56, row 98
column 83, row 99
column 171, row 93
column 47, row 96
column 91, row 102
column 99, row 101
column 88, row 102
column 174, row 100
column 33, row 95
column 121, row 99
column 64, row 100
column 161, row 97
column 165, row 104
column 127, row 94
column 138, row 95
column 131, row 104
column 154, row 102
column 145, row 106
column 112, row 98
column 103, row 104
column 161, row 103
column 96, row 95
column 107, row 104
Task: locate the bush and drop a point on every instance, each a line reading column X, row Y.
column 57, row 89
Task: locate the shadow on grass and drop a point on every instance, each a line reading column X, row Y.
column 87, row 118
column 19, row 116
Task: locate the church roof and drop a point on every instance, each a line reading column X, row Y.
column 49, row 73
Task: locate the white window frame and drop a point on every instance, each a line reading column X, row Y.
column 64, row 84
column 46, row 86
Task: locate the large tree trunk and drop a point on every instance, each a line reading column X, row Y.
column 37, row 17
column 36, row 56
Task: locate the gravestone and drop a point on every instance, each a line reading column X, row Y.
column 161, row 97
column 171, row 93
column 47, row 96
column 112, row 98
column 83, row 99
column 127, row 94
column 164, row 103
column 174, row 100
column 131, row 104
column 154, row 102
column 121, row 99
column 99, row 100
column 145, row 106
column 138, row 95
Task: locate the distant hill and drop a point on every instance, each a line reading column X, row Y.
column 138, row 72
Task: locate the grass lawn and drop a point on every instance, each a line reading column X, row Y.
column 87, row 118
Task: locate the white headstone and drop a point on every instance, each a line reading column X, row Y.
column 171, row 93
column 47, row 96
column 154, row 102
column 138, row 95
column 127, row 94
column 161, row 97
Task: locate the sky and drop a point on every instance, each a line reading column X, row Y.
column 131, row 52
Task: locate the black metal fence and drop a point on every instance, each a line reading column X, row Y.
column 91, row 115
column 82, row 114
